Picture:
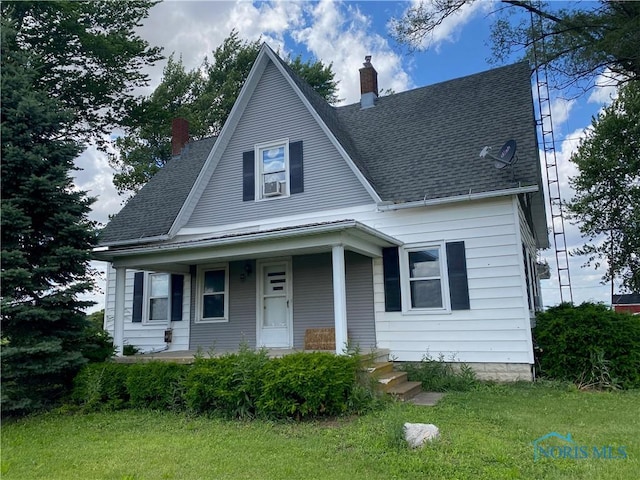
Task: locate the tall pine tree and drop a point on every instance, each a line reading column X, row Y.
column 46, row 239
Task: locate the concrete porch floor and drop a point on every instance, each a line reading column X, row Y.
column 188, row 356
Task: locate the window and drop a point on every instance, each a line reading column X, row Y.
column 157, row 297
column 425, row 278
column 273, row 170
column 531, row 279
column 213, row 298
column 158, row 303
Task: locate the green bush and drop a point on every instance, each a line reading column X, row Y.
column 305, row 385
column 97, row 344
column 589, row 345
column 157, row 385
column 101, row 386
column 228, row 386
column 440, row 376
column 240, row 385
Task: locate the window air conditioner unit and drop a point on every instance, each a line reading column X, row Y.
column 273, row 189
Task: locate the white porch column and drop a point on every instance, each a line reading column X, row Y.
column 118, row 317
column 339, row 297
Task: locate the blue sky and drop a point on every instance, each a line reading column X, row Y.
column 342, row 33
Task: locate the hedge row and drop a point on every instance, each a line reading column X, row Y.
column 590, row 345
column 242, row 385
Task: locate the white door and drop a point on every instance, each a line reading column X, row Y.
column 274, row 308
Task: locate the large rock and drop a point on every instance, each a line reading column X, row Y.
column 416, row 434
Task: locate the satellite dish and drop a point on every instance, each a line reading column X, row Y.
column 505, row 158
column 507, row 155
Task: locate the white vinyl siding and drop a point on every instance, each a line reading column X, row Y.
column 495, row 328
column 145, row 336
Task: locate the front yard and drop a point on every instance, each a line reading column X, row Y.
column 487, row 433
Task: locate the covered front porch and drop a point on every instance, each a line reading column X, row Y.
column 261, row 288
column 374, row 355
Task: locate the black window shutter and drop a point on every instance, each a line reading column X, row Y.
column 391, row 268
column 457, row 269
column 177, row 286
column 138, row 296
column 295, row 165
column 248, row 176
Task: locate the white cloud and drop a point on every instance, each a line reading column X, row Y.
column 561, row 110
column 585, row 281
column 340, row 34
column 450, row 28
column 606, row 88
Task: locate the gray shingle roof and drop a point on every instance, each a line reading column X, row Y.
column 415, row 145
column 425, row 143
column 151, row 212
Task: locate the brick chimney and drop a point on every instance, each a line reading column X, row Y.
column 179, row 135
column 368, row 84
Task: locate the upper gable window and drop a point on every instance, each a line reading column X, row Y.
column 273, row 170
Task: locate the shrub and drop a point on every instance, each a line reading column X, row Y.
column 97, row 344
column 229, row 385
column 101, row 386
column 157, row 385
column 440, row 376
column 305, row 385
column 589, row 345
column 129, row 350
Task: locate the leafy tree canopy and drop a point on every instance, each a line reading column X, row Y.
column 203, row 96
column 581, row 39
column 607, row 199
column 88, row 56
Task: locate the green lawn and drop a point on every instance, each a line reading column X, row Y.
column 485, row 434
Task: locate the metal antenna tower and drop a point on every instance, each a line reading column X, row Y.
column 549, row 151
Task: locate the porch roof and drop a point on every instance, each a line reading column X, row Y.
column 178, row 254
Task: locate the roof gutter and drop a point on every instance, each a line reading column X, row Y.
column 250, row 237
column 135, row 241
column 459, row 198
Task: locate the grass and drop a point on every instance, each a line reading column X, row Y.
column 485, row 433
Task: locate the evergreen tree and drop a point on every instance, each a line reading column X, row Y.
column 46, row 239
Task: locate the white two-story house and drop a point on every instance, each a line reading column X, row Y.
column 379, row 220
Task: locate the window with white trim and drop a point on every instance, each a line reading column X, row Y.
column 213, row 295
column 425, row 278
column 272, row 167
column 158, row 298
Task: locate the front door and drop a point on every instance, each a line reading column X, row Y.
column 274, row 308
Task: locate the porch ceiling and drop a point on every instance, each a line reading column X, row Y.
column 293, row 240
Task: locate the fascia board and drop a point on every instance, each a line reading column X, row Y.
column 349, row 227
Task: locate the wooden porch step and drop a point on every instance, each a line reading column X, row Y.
column 393, row 382
column 380, row 368
column 391, row 379
column 406, row 390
